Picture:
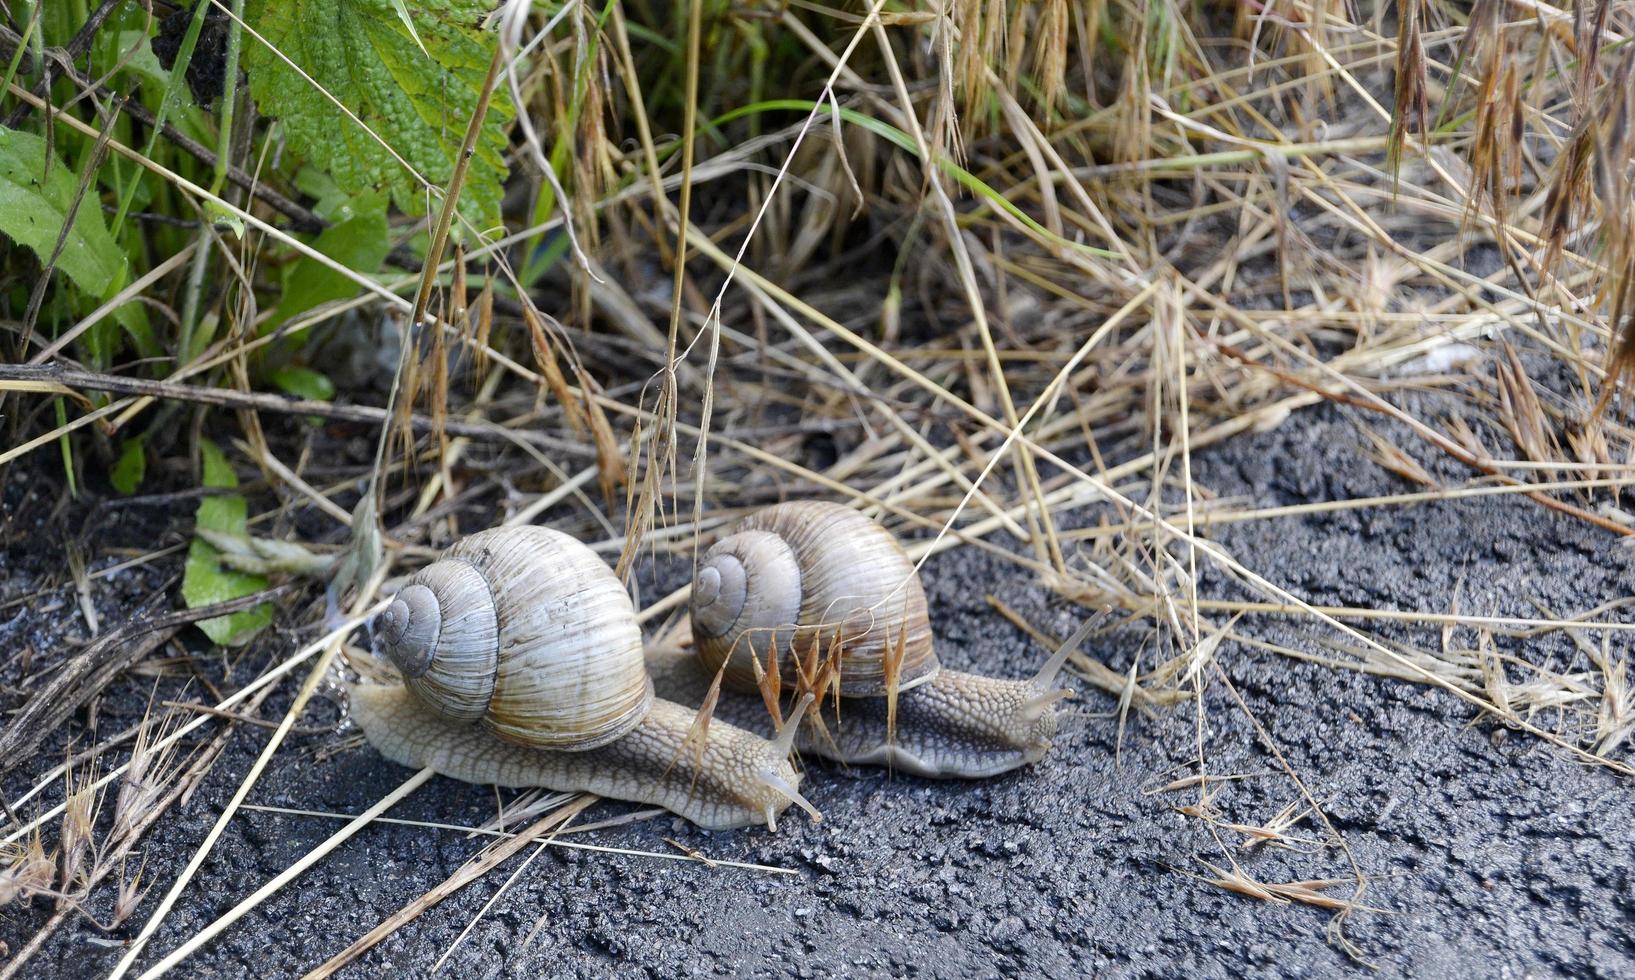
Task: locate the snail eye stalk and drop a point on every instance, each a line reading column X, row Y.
column 781, row 745
column 1046, row 678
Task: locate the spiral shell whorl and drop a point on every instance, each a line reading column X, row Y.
column 442, row 632
column 745, row 603
column 718, row 595
column 831, row 572
column 407, row 631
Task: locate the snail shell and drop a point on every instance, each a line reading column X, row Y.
column 813, row 580
column 526, row 631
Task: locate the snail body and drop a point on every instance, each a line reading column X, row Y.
column 816, row 597
column 523, row 666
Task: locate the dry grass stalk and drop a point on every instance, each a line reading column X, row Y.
column 1207, row 173
column 490, row 857
column 1412, row 107
column 1306, row 892
column 1389, row 456
column 1523, row 415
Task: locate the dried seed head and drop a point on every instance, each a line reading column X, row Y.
column 1050, row 52
column 25, row 871
column 74, row 841
column 146, row 777
column 130, row 896
column 134, row 791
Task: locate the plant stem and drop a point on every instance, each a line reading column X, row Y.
column 229, row 96
column 178, row 78
column 67, row 448
column 36, row 38
column 30, row 32
column 195, row 288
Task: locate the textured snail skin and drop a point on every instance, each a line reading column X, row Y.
column 716, row 789
column 957, row 725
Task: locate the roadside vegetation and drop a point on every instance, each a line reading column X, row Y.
column 326, row 284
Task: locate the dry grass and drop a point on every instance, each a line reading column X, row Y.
column 974, row 268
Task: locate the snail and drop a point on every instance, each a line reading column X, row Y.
column 522, row 666
column 835, row 595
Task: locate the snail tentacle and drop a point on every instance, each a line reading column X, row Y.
column 771, row 775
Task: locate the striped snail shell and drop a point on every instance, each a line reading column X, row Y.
column 817, row 583
column 526, row 631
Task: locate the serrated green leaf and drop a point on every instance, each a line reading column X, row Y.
column 34, row 205
column 127, row 472
column 205, row 580
column 418, row 101
column 304, row 383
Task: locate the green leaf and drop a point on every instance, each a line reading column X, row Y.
column 132, row 53
column 134, row 319
column 418, row 100
column 328, row 197
column 59, row 22
column 224, row 219
column 34, row 205
column 227, row 513
column 127, row 472
column 304, row 383
column 205, row 580
column 359, row 242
